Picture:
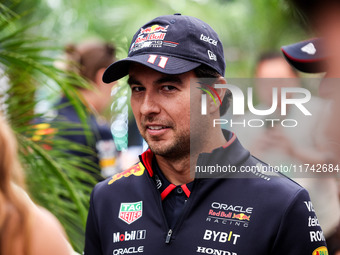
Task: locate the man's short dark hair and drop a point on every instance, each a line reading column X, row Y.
column 206, row 72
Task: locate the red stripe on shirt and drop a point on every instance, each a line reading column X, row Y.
column 186, row 190
column 167, row 191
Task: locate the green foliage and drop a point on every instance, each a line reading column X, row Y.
column 54, row 178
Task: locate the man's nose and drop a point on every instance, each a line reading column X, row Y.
column 150, row 104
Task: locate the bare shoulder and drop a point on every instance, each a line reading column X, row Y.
column 48, row 236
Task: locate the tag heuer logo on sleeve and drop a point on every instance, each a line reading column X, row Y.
column 130, row 212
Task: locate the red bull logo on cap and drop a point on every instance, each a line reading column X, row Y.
column 241, row 216
column 153, row 29
column 151, row 37
column 155, row 36
column 136, row 170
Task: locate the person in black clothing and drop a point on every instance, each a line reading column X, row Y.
column 321, row 55
column 161, row 207
column 89, row 59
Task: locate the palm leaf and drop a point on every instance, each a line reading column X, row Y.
column 56, row 179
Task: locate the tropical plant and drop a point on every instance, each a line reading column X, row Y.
column 53, row 175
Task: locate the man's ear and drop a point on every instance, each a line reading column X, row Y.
column 218, row 94
column 221, row 92
column 99, row 75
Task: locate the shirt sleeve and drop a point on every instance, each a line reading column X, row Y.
column 300, row 232
column 92, row 240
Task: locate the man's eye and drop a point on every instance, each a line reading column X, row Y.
column 168, row 87
column 137, row 89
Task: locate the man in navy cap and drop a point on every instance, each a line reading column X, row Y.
column 157, row 206
column 322, row 55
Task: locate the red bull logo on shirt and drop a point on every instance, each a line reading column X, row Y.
column 130, row 212
column 241, row 216
column 320, row 251
column 136, row 170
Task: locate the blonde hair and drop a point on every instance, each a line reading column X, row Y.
column 15, row 216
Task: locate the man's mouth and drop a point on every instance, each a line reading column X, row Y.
column 157, row 127
column 157, row 130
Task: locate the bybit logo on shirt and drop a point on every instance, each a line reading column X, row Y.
column 222, row 237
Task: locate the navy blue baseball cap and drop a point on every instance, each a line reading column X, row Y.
column 171, row 44
column 306, row 56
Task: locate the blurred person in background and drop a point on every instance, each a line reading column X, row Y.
column 25, row 229
column 299, row 145
column 89, row 59
column 272, row 71
column 322, row 55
